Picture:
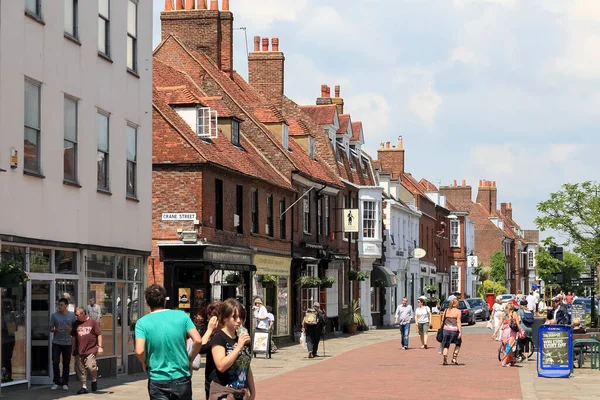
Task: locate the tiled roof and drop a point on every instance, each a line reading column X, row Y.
column 175, row 141
column 344, row 121
column 268, row 114
column 430, row 187
column 322, row 115
column 298, row 128
column 356, row 129
column 411, row 184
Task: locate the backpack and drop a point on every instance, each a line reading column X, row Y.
column 528, row 318
column 311, row 318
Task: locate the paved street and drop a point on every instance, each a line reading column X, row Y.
column 291, row 375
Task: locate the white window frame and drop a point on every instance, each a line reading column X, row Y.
column 71, row 13
column 455, row 233
column 285, row 136
column 327, row 221
column 104, row 152
column 455, row 279
column 104, row 20
column 207, row 123
column 132, row 33
column 306, row 214
column 37, row 130
column 37, row 4
column 531, row 259
column 131, row 162
column 72, row 141
column 309, row 295
column 370, row 220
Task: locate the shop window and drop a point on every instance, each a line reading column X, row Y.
column 281, row 318
column 375, row 303
column 133, row 312
column 100, row 266
column 39, row 260
column 65, row 262
column 121, row 266
column 15, row 254
column 134, row 269
column 14, row 330
column 101, row 302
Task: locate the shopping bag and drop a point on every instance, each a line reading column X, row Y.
column 303, row 341
column 489, row 324
column 197, row 360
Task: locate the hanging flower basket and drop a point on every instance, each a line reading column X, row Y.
column 234, row 279
column 308, row 282
column 267, row 280
column 11, row 275
column 327, row 282
column 357, row 275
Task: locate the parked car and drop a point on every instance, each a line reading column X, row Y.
column 480, row 308
column 588, row 303
column 508, row 297
column 467, row 314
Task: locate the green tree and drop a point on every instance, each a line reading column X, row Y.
column 574, row 212
column 498, row 266
column 546, row 266
column 491, row 287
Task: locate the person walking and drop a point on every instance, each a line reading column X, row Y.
column 403, row 316
column 526, row 317
column 232, row 377
column 510, row 319
column 312, row 325
column 452, row 331
column 261, row 315
column 497, row 313
column 212, row 314
column 160, row 346
column 423, row 317
column 61, row 323
column 531, row 303
column 93, row 310
column 558, row 314
column 271, row 328
column 87, row 342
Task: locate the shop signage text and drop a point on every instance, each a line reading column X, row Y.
column 272, row 264
column 179, row 216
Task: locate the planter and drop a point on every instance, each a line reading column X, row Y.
column 327, row 285
column 9, row 281
column 436, row 322
column 268, row 284
column 351, row 328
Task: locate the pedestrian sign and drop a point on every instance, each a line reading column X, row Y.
column 555, row 352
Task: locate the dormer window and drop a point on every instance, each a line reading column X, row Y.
column 235, row 132
column 285, row 136
column 311, row 147
column 201, row 120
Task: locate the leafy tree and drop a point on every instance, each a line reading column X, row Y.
column 498, row 266
column 491, row 287
column 574, row 212
column 484, row 272
column 572, row 267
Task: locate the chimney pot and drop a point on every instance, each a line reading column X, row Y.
column 168, row 5
column 400, row 143
column 214, row 5
column 510, row 205
column 328, row 91
column 275, row 44
column 189, row 4
column 179, row 4
column 337, row 90
column 265, row 44
column 201, row 5
column 323, row 90
column 256, row 43
column 455, row 182
column 464, row 182
column 387, row 145
column 225, row 5
column 494, row 184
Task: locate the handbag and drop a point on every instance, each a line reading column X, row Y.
column 513, row 325
column 440, row 333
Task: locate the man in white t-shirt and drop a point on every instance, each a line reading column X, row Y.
column 531, row 303
column 261, row 315
column 536, row 294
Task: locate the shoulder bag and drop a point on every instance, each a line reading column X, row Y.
column 513, row 325
column 440, row 333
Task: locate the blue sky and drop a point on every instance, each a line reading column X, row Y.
column 503, row 90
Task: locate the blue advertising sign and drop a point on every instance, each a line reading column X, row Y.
column 555, row 351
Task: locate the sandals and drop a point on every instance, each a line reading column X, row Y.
column 454, row 361
column 445, row 360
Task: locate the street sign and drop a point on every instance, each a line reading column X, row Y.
column 350, row 220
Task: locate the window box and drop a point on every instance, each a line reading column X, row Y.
column 308, row 282
column 357, row 275
column 327, row 282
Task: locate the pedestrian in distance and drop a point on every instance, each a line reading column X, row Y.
column 510, row 320
column 497, row 313
column 531, row 303
column 232, row 377
column 271, row 327
column 423, row 317
column 403, row 317
column 312, row 325
column 61, row 323
column 452, row 331
column 558, row 314
column 260, row 315
column 93, row 310
column 160, row 346
column 87, row 344
column 212, row 313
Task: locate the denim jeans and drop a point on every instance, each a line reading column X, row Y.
column 404, row 331
column 177, row 389
column 59, row 350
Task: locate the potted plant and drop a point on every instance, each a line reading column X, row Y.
column 431, row 302
column 431, row 289
column 234, row 279
column 357, row 275
column 11, row 275
column 267, row 280
column 352, row 317
column 327, row 282
column 308, row 281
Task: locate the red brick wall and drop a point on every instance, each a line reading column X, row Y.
column 457, row 195
column 266, row 73
column 226, row 40
column 392, row 160
column 487, row 197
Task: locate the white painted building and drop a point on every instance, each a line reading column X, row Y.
column 75, row 185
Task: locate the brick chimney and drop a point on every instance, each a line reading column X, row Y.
column 338, row 101
column 509, row 213
column 392, row 158
column 325, row 98
column 209, row 31
column 457, row 195
column 487, row 195
column 266, row 68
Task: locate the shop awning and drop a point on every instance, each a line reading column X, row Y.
column 384, row 274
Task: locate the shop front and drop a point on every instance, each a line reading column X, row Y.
column 114, row 282
column 272, row 284
column 383, row 295
column 197, row 274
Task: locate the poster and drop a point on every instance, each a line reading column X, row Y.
column 261, row 342
column 578, row 311
column 350, row 220
column 184, row 297
column 555, row 354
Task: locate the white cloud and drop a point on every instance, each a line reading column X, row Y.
column 417, row 84
column 261, row 15
column 425, row 105
column 372, row 109
column 465, row 56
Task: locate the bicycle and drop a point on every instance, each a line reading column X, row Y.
column 525, row 355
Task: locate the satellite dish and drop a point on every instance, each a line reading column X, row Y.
column 419, row 253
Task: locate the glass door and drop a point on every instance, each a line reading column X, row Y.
column 42, row 298
column 121, row 313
